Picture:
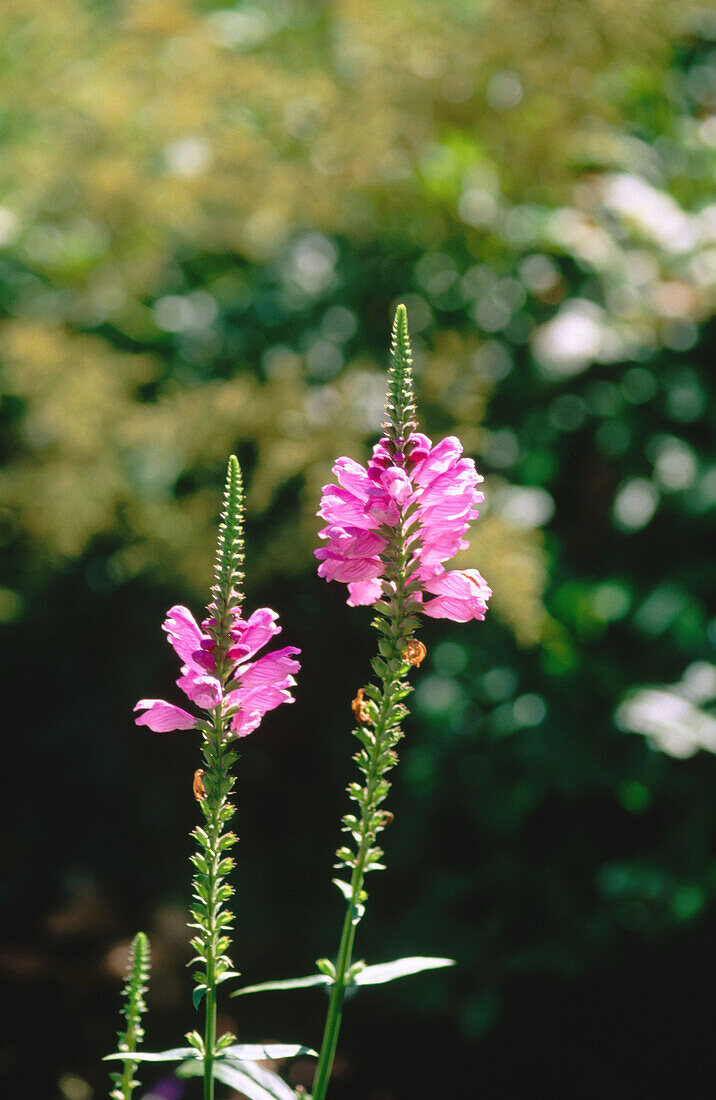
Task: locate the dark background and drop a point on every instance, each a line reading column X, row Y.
column 207, row 215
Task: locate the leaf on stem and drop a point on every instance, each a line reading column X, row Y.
column 257, row 1052
column 287, row 983
column 399, row 968
column 251, row 1081
column 175, row 1055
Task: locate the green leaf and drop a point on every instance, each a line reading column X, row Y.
column 226, row 974
column 198, row 995
column 196, row 1041
column 253, row 1082
column 256, row 1052
column 379, row 667
column 357, row 912
column 176, row 1055
column 399, row 968
column 287, row 983
column 344, row 887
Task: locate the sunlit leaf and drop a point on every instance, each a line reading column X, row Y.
column 256, row 1052
column 175, row 1055
column 399, row 968
column 286, row 983
column 251, row 1081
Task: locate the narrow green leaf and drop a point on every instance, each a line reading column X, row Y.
column 399, row 968
column 288, row 983
column 344, row 887
column 228, row 974
column 197, row 995
column 257, row 1052
column 253, row 1082
column 176, row 1055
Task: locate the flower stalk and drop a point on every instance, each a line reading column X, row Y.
column 134, row 1006
column 213, row 788
column 234, row 689
column 391, row 527
column 381, row 713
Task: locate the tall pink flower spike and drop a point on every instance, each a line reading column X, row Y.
column 434, row 484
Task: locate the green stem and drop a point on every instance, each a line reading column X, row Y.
column 217, row 782
column 134, row 989
column 127, row 1083
column 334, row 1014
column 209, row 1042
column 400, row 423
column 210, row 999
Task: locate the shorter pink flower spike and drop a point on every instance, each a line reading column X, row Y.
column 257, row 686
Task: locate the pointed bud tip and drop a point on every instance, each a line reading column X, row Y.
column 233, row 470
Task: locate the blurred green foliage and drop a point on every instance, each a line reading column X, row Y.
column 207, row 212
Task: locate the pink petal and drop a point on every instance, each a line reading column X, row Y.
column 342, row 508
column 460, row 611
column 184, row 634
column 205, row 691
column 355, row 569
column 462, row 595
column 352, row 476
column 269, row 668
column 363, row 593
column 461, row 583
column 162, row 717
column 252, row 634
column 443, row 455
column 256, row 703
column 245, row 722
column 397, row 484
column 352, row 542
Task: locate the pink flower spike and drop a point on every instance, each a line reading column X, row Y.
column 437, row 483
column 163, row 717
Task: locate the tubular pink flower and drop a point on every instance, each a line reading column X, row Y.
column 162, row 717
column 256, row 703
column 252, row 634
column 271, row 668
column 185, row 637
column 256, row 686
column 203, row 690
column 364, row 593
column 433, row 490
column 461, row 595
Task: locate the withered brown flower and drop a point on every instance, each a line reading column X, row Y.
column 415, row 652
column 198, row 786
column 358, row 708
